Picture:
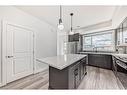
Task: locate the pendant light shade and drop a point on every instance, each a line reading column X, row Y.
column 60, row 24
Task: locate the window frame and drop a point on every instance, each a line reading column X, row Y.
column 112, row 31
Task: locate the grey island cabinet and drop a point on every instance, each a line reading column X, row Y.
column 66, row 71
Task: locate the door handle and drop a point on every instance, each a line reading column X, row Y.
column 9, row 56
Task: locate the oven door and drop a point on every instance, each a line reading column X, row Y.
column 114, row 66
column 122, row 72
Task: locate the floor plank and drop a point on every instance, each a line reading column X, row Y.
column 95, row 79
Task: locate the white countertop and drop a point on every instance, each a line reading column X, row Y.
column 61, row 61
column 122, row 57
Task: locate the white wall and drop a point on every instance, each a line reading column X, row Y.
column 45, row 34
column 106, row 25
column 0, row 62
column 96, row 30
column 119, row 15
column 62, row 38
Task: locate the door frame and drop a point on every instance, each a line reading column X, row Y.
column 4, row 48
column 3, row 68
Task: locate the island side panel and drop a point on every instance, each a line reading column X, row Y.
column 76, row 73
column 74, row 80
column 58, row 79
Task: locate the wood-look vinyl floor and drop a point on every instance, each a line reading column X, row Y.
column 96, row 79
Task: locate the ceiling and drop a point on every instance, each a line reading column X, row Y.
column 83, row 15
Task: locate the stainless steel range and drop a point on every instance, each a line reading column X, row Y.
column 120, row 69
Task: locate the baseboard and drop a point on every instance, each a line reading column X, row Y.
column 40, row 70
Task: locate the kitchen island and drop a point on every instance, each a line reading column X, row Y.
column 65, row 71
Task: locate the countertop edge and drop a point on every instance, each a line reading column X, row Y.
column 58, row 67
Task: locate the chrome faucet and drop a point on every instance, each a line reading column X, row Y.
column 95, row 49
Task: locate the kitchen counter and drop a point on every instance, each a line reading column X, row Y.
column 99, row 59
column 105, row 53
column 62, row 61
column 122, row 57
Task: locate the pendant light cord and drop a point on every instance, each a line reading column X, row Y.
column 60, row 18
column 60, row 12
column 71, row 23
column 60, row 25
column 71, row 14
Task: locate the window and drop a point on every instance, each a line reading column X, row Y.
column 121, row 36
column 125, row 36
column 101, row 41
column 87, row 41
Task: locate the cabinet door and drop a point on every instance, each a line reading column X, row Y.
column 114, row 65
column 70, row 38
column 92, row 60
column 77, row 74
column 71, row 78
column 102, row 61
column 74, row 76
column 76, row 37
column 83, row 68
column 108, row 60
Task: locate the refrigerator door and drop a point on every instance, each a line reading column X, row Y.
column 71, row 48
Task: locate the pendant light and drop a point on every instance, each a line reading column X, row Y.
column 60, row 25
column 71, row 31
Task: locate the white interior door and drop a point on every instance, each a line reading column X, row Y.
column 19, row 52
column 0, row 62
column 0, row 74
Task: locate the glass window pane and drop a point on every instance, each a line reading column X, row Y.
column 125, row 36
column 103, row 42
column 86, row 42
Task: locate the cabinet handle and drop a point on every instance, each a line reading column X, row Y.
column 9, row 56
column 76, row 72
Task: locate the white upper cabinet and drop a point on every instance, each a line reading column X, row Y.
column 122, row 34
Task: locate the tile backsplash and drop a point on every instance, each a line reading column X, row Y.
column 122, row 50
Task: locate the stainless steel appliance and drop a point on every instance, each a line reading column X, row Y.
column 74, row 45
column 120, row 69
